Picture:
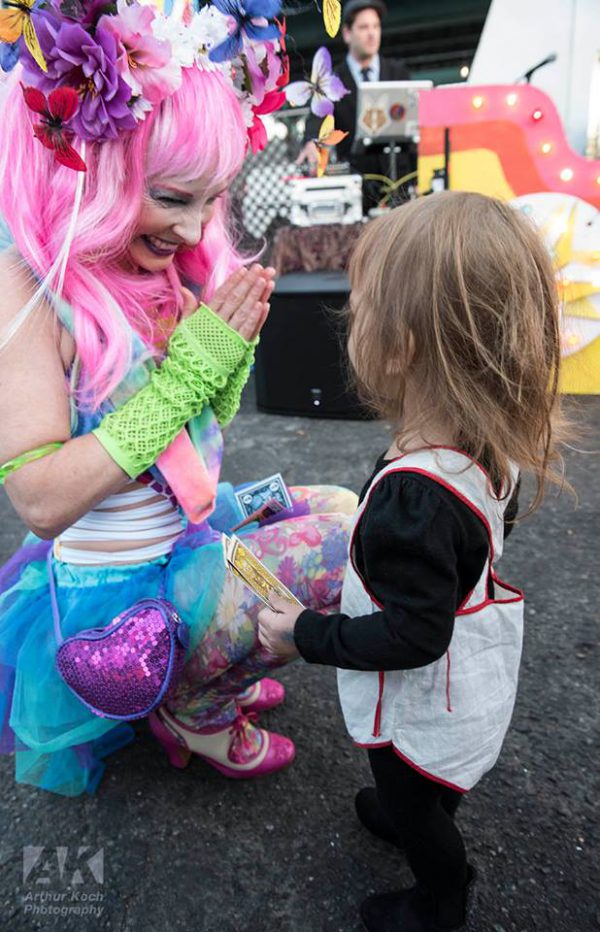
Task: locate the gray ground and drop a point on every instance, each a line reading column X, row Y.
column 190, row 850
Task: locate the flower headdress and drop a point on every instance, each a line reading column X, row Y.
column 93, row 69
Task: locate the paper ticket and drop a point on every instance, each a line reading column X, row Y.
column 253, row 573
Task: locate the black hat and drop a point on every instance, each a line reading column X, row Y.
column 355, row 6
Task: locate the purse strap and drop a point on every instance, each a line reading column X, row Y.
column 54, row 597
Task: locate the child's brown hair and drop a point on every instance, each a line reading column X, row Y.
column 457, row 292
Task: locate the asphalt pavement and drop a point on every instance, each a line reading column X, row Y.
column 158, row 849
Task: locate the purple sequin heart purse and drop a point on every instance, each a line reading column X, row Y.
column 126, row 669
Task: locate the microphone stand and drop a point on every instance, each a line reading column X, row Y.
column 528, row 74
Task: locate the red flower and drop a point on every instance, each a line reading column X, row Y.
column 257, row 133
column 284, row 77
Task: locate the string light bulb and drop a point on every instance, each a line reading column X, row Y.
column 537, row 115
column 566, row 174
column 464, row 71
column 546, row 147
column 478, row 102
column 511, row 99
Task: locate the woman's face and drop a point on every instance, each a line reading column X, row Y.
column 173, row 216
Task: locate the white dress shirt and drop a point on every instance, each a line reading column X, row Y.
column 355, row 69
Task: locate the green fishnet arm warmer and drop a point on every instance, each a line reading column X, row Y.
column 204, row 352
column 226, row 402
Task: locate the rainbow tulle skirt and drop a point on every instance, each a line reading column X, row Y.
column 58, row 744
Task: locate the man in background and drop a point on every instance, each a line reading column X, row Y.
column 361, row 31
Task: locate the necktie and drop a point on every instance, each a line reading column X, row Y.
column 366, row 74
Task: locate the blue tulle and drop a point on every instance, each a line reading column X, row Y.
column 59, row 745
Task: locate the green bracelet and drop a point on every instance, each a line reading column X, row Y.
column 28, row 457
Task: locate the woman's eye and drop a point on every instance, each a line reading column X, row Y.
column 165, row 199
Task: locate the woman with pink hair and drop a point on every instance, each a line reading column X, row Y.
column 128, row 322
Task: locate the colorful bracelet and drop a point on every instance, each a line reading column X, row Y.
column 28, row 457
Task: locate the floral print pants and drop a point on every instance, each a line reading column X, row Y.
column 308, row 554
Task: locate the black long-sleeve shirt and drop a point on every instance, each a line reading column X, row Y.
column 420, row 551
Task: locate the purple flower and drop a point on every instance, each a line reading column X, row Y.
column 323, row 88
column 335, row 551
column 89, row 64
column 250, row 20
column 287, row 571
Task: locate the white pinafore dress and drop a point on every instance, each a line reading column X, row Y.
column 448, row 719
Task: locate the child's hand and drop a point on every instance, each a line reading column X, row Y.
column 276, row 629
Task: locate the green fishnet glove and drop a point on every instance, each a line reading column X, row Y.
column 226, row 402
column 204, row 352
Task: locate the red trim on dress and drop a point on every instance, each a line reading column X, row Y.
column 461, row 611
column 424, row 773
column 440, row 446
column 450, row 488
column 378, row 707
column 411, row 763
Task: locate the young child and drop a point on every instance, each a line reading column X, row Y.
column 454, row 337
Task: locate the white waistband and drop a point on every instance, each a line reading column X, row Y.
column 148, row 520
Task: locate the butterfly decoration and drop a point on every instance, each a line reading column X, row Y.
column 60, row 106
column 323, row 89
column 332, row 16
column 16, row 21
column 329, row 137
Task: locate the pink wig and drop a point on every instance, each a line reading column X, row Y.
column 198, row 132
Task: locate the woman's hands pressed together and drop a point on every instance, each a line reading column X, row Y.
column 276, row 628
column 243, row 300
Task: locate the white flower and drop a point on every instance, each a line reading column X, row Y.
column 139, row 106
column 192, row 44
column 212, row 25
column 174, row 31
column 246, row 104
column 203, row 38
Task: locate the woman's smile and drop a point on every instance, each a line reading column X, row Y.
column 159, row 246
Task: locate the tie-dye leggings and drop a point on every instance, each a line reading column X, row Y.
column 308, row 553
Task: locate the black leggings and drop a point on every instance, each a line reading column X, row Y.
column 422, row 812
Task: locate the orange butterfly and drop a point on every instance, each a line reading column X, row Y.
column 329, row 136
column 15, row 21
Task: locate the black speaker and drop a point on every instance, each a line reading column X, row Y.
column 301, row 363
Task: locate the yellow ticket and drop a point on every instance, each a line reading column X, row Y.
column 253, row 573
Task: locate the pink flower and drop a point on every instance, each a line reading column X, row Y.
column 320, row 591
column 145, row 63
column 257, row 133
column 263, row 69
